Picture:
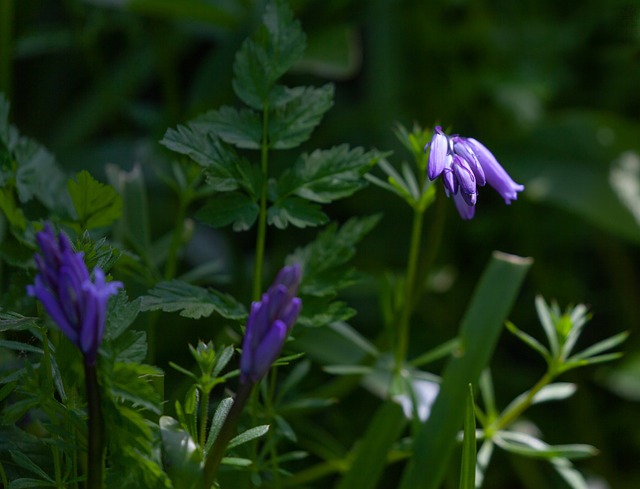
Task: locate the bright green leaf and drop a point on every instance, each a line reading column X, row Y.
column 182, row 456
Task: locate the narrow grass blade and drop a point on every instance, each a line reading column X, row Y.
column 481, row 326
column 468, row 464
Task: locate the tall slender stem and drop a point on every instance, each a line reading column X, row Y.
column 262, row 217
column 96, row 429
column 227, row 431
column 176, row 238
column 403, row 326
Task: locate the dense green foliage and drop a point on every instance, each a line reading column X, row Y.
column 185, row 132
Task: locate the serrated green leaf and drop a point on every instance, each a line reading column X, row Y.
column 292, row 123
column 130, row 346
column 246, row 436
column 181, row 455
column 326, row 175
column 133, row 382
column 260, row 61
column 97, row 253
column 323, row 259
column 230, row 208
column 121, row 314
column 297, row 212
column 242, row 128
column 192, row 301
column 38, row 175
column 96, row 204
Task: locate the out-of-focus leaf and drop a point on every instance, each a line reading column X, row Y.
column 551, row 392
column 12, row 321
column 333, row 52
column 181, row 455
column 192, row 301
column 230, row 208
column 529, row 446
column 586, row 162
column 96, row 204
column 481, row 326
column 186, row 10
column 370, row 453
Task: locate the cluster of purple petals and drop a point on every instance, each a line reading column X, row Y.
column 466, row 164
column 76, row 304
column 270, row 321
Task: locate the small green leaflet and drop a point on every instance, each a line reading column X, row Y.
column 230, row 208
column 326, row 175
column 259, row 63
column 296, row 211
column 96, row 204
column 242, row 128
column 191, row 301
column 292, row 123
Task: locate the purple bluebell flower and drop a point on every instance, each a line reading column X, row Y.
column 76, row 304
column 466, row 164
column 270, row 321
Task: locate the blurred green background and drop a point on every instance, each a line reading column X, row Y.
column 553, row 88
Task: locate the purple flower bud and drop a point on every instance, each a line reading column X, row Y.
column 270, row 321
column 439, row 150
column 465, row 164
column 497, row 177
column 76, row 304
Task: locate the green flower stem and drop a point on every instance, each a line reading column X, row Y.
column 268, row 404
column 262, row 217
column 96, row 429
column 403, row 326
column 204, row 416
column 516, row 411
column 227, row 431
column 176, row 238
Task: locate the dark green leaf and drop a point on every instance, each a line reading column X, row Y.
column 230, row 208
column 121, row 314
column 130, row 346
column 324, row 258
column 292, row 123
column 297, row 212
column 242, row 128
column 132, row 382
column 317, row 313
column 327, row 175
column 38, row 175
column 259, row 63
column 192, row 301
column 96, row 204
column 216, row 422
column 12, row 321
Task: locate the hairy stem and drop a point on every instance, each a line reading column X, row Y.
column 204, row 416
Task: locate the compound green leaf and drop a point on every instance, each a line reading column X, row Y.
column 230, row 208
column 96, row 204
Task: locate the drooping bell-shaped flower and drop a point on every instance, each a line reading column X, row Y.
column 75, row 303
column 466, row 164
column 270, row 321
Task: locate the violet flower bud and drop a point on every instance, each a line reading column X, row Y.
column 76, row 304
column 270, row 321
column 466, row 164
